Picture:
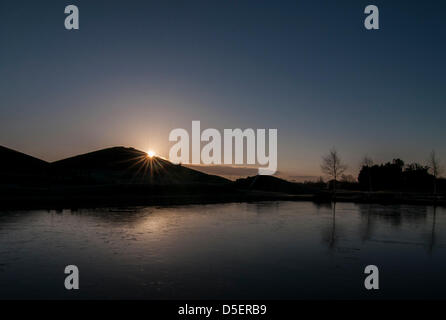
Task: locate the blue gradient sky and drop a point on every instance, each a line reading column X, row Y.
column 137, row 69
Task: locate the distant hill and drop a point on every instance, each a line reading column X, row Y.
column 17, row 167
column 272, row 184
column 121, row 165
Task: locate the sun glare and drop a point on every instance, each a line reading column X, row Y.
column 151, row 153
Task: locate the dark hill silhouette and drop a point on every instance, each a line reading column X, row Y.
column 116, row 176
column 121, row 165
column 272, row 184
column 15, row 161
column 18, row 168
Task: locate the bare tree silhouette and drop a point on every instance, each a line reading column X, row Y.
column 435, row 168
column 333, row 166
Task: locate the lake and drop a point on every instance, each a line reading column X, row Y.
column 268, row 250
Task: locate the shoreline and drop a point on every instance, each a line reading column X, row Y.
column 89, row 201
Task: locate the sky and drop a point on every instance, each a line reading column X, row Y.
column 138, row 69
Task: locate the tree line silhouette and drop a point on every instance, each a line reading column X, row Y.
column 391, row 176
column 396, row 175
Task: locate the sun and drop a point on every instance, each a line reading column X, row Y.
column 151, row 153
